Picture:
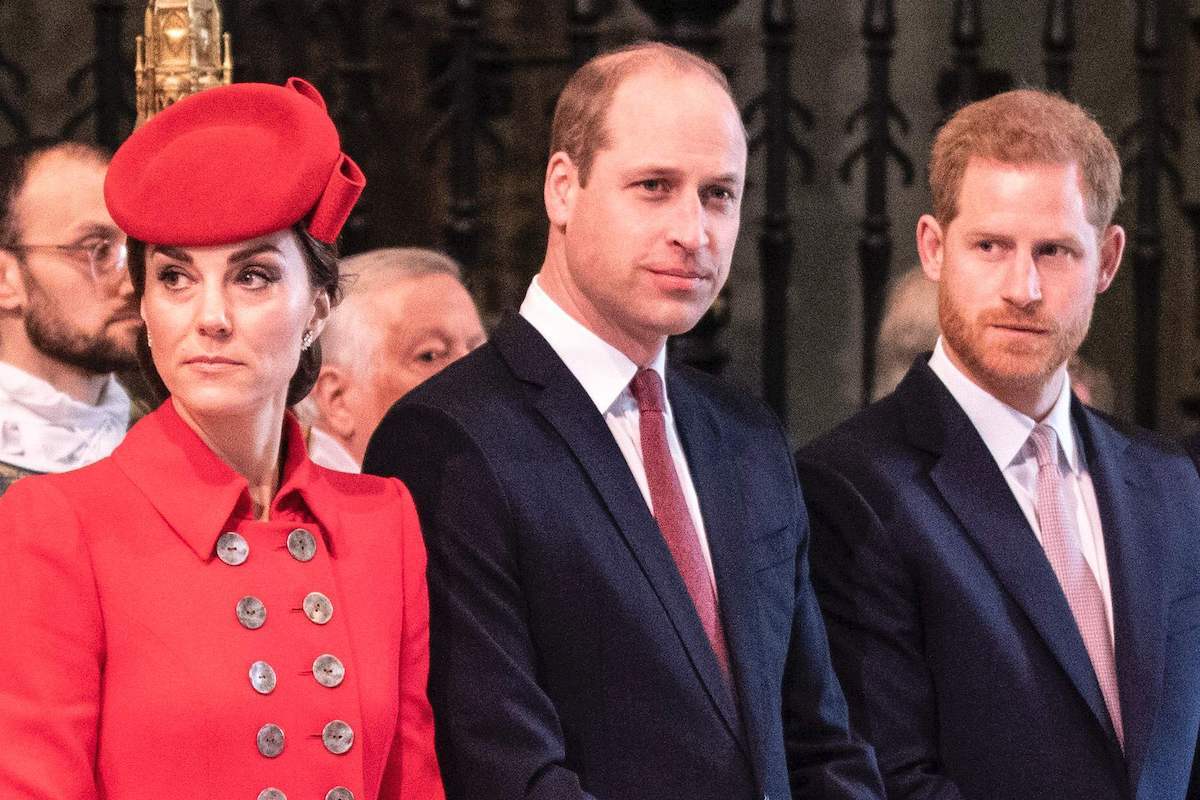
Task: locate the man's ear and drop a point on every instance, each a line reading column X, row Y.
column 1112, row 245
column 329, row 395
column 12, row 283
column 561, row 187
column 931, row 246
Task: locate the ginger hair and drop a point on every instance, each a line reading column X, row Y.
column 1026, row 126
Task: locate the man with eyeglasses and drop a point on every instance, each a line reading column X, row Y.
column 67, row 320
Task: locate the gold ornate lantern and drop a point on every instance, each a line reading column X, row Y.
column 182, row 52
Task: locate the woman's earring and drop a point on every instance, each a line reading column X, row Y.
column 149, row 344
column 306, row 340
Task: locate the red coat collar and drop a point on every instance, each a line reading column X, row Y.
column 199, row 495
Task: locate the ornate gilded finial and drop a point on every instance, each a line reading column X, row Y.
column 182, row 52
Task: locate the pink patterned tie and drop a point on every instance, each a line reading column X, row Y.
column 1061, row 543
column 671, row 511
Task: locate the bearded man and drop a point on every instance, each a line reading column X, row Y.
column 1009, row 577
column 67, row 320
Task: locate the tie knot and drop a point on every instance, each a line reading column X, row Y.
column 647, row 390
column 1045, row 443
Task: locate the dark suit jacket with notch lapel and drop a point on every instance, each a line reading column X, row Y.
column 567, row 658
column 958, row 653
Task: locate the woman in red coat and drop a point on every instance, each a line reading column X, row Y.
column 207, row 613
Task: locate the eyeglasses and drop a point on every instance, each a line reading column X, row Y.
column 105, row 257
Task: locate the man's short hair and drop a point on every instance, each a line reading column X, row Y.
column 15, row 162
column 1026, row 126
column 579, row 127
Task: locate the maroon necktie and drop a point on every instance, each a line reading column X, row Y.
column 671, row 511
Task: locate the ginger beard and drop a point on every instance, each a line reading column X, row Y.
column 1004, row 362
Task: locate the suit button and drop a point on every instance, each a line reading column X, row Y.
column 251, row 612
column 318, row 608
column 262, row 677
column 271, row 793
column 270, row 740
column 301, row 545
column 339, row 793
column 328, row 670
column 337, row 737
column 232, row 549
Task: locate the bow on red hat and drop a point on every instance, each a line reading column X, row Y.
column 232, row 163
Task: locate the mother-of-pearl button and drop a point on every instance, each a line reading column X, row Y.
column 328, row 670
column 262, row 677
column 232, row 548
column 318, row 607
column 302, row 545
column 270, row 740
column 251, row 612
column 337, row 736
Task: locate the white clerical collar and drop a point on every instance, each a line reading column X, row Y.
column 603, row 370
column 45, row 430
column 1004, row 429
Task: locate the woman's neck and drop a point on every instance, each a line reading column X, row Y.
column 249, row 443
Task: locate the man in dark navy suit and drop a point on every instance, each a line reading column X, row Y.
column 618, row 574
column 1010, row 579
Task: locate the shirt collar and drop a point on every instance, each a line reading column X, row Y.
column 602, row 370
column 1004, row 430
column 327, row 451
column 200, row 496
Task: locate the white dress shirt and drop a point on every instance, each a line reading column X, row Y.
column 605, row 373
column 1006, row 432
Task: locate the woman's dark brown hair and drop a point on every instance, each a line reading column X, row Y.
column 321, row 264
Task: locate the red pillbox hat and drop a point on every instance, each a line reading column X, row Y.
column 231, row 163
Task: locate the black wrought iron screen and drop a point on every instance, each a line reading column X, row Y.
column 445, row 103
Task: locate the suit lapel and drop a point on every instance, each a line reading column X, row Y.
column 722, row 505
column 973, row 486
column 566, row 406
column 1134, row 550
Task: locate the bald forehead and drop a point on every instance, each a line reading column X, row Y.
column 660, row 72
column 650, row 91
column 68, row 153
column 660, row 111
column 63, row 190
column 43, row 167
column 648, row 58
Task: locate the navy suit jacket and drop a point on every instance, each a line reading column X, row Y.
column 567, row 660
column 1192, row 445
column 958, row 653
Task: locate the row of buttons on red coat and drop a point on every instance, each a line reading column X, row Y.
column 327, row 669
